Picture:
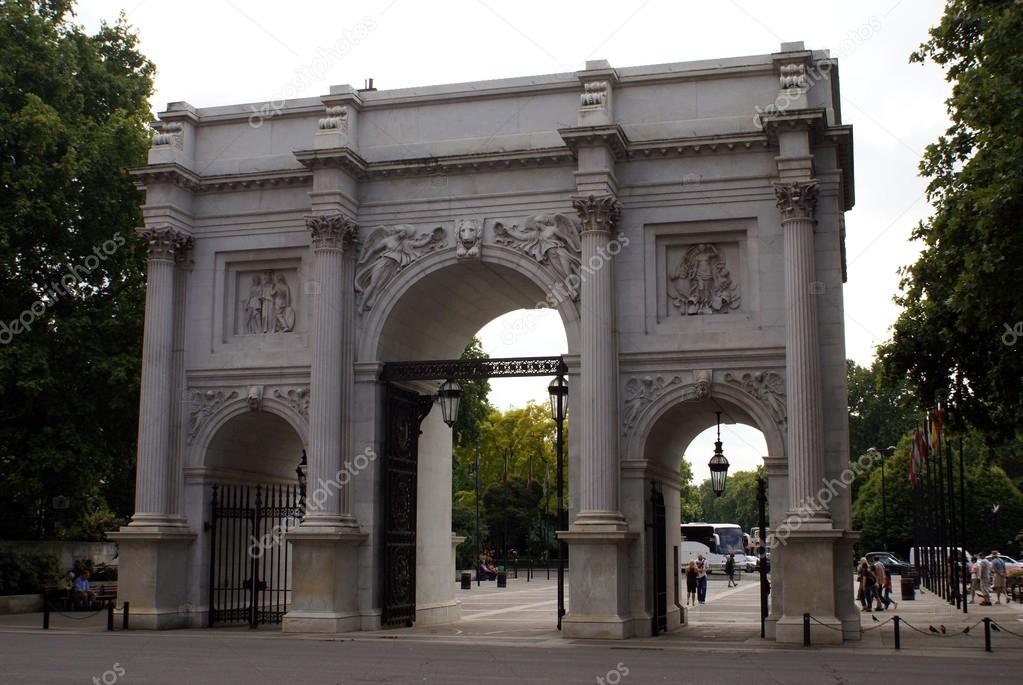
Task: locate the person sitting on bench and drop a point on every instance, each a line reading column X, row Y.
column 83, row 594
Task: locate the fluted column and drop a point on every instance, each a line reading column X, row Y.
column 797, row 202
column 332, row 236
column 152, row 484
column 598, row 402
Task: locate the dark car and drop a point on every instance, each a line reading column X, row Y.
column 893, row 566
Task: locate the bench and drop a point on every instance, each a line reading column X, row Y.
column 61, row 599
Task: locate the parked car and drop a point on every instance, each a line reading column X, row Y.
column 1010, row 563
column 893, row 566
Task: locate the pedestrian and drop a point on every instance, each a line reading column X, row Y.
column 865, row 579
column 880, row 574
column 691, row 583
column 730, row 569
column 984, row 575
column 974, row 578
column 998, row 576
column 701, row 579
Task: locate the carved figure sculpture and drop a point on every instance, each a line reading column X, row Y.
column 550, row 239
column 284, row 313
column 266, row 301
column 702, row 284
column 388, row 250
column 254, row 307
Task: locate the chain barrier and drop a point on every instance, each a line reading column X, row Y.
column 1002, row 629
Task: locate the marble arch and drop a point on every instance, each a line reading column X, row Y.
column 687, row 220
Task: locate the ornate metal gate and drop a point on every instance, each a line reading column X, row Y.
column 659, row 542
column 250, row 558
column 405, row 412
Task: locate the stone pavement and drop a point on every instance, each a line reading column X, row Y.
column 524, row 614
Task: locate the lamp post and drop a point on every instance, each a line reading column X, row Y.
column 558, row 390
column 450, row 397
column 884, row 495
column 718, row 464
column 300, row 471
column 478, row 560
column 762, row 550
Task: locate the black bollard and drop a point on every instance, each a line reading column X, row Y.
column 110, row 616
column 806, row 630
column 466, row 581
column 898, row 642
column 124, row 617
column 502, row 579
column 987, row 634
column 46, row 615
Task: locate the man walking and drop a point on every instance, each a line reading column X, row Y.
column 998, row 573
column 701, row 579
column 985, row 581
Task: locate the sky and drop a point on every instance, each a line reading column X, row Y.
column 219, row 52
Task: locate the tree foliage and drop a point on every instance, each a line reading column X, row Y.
column 961, row 305
column 73, row 115
column 994, row 504
column 690, row 505
column 737, row 504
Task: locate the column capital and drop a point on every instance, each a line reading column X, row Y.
column 598, row 212
column 796, row 200
column 332, row 231
column 165, row 243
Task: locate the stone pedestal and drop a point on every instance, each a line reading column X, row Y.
column 153, row 576
column 599, row 583
column 809, row 564
column 325, row 581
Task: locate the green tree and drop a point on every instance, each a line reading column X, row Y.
column 73, row 118
column 690, row 504
column 994, row 504
column 958, row 331
column 511, row 515
column 737, row 504
column 881, row 411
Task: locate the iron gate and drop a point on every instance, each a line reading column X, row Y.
column 250, row 558
column 405, row 412
column 659, row 542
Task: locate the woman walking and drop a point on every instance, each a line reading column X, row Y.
column 865, row 579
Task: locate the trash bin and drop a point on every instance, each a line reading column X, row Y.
column 908, row 588
column 502, row 579
column 466, row 580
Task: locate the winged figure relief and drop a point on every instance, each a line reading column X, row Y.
column 549, row 239
column 387, row 251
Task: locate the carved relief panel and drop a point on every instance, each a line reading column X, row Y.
column 699, row 275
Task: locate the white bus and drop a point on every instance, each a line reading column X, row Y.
column 715, row 541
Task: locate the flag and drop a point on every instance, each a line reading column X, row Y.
column 936, row 428
column 927, row 447
column 920, row 447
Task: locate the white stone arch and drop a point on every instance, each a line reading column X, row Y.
column 537, row 283
column 675, row 395
column 233, row 408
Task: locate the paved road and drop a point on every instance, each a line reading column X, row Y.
column 228, row 658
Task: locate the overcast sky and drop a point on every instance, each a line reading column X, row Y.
column 218, row 52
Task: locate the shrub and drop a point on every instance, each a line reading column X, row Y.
column 24, row 574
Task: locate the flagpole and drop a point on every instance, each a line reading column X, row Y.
column 962, row 518
column 953, row 579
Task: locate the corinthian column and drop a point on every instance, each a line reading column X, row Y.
column 329, row 434
column 797, row 202
column 598, row 402
column 152, row 473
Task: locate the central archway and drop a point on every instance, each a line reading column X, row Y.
column 431, row 311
